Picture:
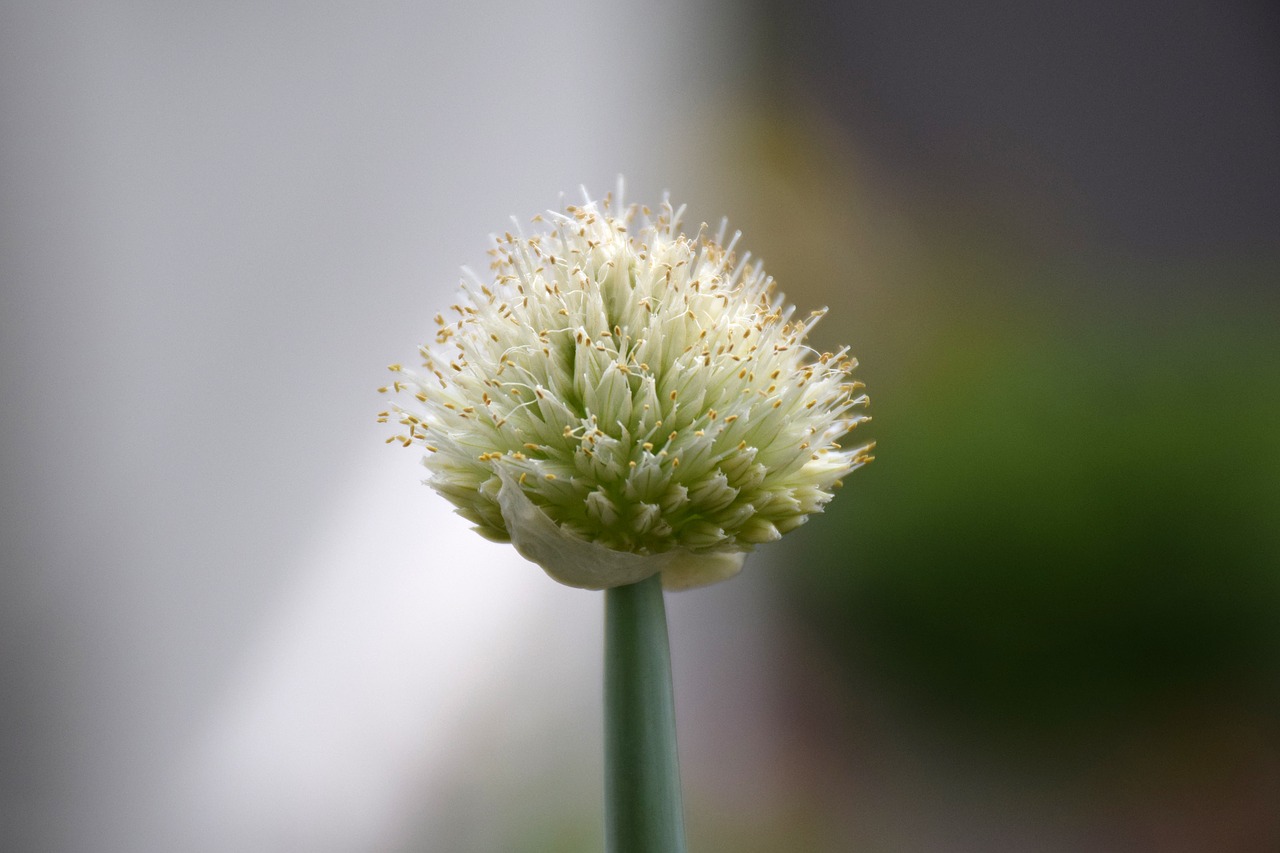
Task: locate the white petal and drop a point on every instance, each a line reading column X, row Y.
column 688, row 570
column 588, row 565
column 565, row 557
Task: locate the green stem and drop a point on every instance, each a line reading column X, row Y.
column 643, row 811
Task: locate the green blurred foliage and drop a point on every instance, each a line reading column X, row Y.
column 1072, row 518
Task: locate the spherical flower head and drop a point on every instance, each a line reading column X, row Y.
column 623, row 399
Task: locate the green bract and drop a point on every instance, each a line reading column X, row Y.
column 624, row 399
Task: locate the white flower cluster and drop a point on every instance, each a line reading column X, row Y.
column 623, row 399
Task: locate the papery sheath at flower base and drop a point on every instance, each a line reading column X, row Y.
column 622, row 399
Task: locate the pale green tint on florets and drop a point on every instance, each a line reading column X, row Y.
column 642, row 390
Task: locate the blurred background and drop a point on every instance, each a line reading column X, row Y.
column 1045, row 619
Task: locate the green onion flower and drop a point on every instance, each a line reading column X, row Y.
column 622, row 400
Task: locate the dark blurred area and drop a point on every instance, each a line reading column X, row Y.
column 1143, row 129
column 1051, row 232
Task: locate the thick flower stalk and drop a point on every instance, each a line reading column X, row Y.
column 622, row 399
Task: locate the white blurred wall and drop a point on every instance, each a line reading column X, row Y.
column 231, row 618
